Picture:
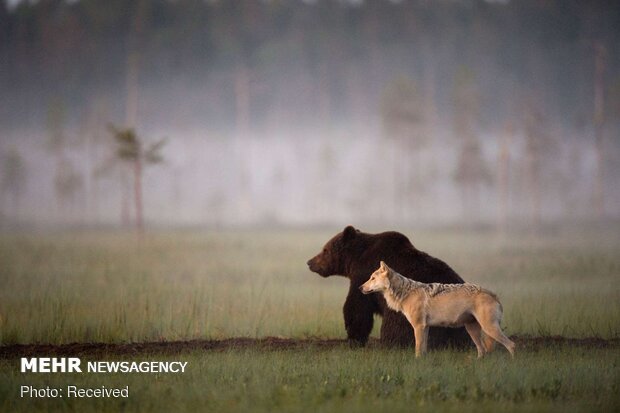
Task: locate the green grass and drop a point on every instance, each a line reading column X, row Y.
column 344, row 380
column 106, row 287
column 61, row 288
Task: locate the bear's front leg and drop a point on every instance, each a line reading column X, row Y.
column 358, row 316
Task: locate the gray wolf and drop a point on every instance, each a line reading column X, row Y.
column 446, row 305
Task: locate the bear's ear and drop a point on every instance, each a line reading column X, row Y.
column 349, row 233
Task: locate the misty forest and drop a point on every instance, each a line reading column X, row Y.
column 244, row 113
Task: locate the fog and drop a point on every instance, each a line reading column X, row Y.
column 309, row 113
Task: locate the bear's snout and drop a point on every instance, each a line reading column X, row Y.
column 316, row 265
column 312, row 265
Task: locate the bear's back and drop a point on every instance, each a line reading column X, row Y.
column 399, row 253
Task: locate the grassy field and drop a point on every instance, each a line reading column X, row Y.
column 334, row 380
column 61, row 288
column 106, row 287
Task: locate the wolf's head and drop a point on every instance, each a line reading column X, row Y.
column 379, row 281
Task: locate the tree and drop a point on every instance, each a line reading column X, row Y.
column 94, row 135
column 504, row 160
column 131, row 149
column 55, row 120
column 134, row 59
column 402, row 113
column 471, row 171
column 238, row 29
column 67, row 183
column 66, row 179
column 600, row 66
column 539, row 146
column 13, row 178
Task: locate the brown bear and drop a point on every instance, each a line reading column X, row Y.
column 355, row 255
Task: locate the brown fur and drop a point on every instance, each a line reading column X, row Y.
column 355, row 255
column 448, row 305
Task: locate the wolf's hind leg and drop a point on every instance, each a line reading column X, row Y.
column 475, row 333
column 493, row 330
column 488, row 343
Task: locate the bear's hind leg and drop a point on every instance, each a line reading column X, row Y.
column 444, row 337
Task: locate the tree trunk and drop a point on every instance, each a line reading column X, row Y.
column 132, row 96
column 242, row 99
column 396, row 182
column 533, row 184
column 535, row 141
column 503, row 177
column 137, row 188
column 133, row 64
column 131, row 99
column 125, row 200
column 599, row 120
column 323, row 95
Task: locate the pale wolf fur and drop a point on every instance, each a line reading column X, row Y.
column 445, row 305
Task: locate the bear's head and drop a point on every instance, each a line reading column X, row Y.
column 332, row 259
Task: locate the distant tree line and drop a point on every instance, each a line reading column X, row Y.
column 261, row 61
column 539, row 73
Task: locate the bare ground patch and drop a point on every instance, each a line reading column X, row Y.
column 268, row 344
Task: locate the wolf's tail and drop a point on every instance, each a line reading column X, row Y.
column 491, row 293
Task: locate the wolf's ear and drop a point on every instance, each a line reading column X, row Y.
column 382, row 265
column 349, row 233
column 387, row 269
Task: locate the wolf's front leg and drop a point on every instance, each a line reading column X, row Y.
column 421, row 337
column 425, row 339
